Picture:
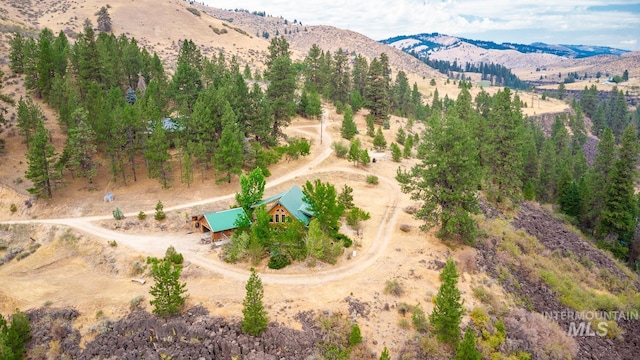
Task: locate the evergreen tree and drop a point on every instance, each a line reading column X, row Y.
column 186, row 168
column 13, row 336
column 379, row 142
column 80, row 149
column 447, row 311
column 408, row 147
column 502, row 154
column 340, row 77
column 396, row 153
column 159, row 214
column 104, row 20
column 401, row 136
column 346, row 197
column 447, row 179
column 467, row 348
column 370, row 126
column 40, row 159
column 230, row 155
column 348, row 129
column 254, row 319
column 355, row 336
column 598, row 177
column 281, row 75
column 169, row 294
column 17, row 53
column 385, row 354
column 311, row 70
column 30, row 118
column 157, row 154
column 619, row 214
column 376, row 92
column 251, row 190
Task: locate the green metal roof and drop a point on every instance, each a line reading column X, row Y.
column 292, row 200
column 224, row 220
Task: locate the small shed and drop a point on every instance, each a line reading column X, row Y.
column 220, row 224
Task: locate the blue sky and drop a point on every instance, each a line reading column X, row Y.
column 589, row 22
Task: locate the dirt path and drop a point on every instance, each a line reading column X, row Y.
column 154, row 244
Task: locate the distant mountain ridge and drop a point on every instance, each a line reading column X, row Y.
column 426, row 44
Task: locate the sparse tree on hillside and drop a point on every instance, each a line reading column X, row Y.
column 447, row 312
column 255, row 318
column 80, row 149
column 104, row 20
column 379, row 142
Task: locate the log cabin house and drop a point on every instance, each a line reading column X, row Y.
column 220, row 224
column 287, row 205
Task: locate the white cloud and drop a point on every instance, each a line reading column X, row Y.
column 380, row 19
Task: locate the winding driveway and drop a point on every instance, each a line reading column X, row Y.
column 155, row 244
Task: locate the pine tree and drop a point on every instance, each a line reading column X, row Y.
column 396, row 153
column 598, row 178
column 254, row 319
column 157, row 154
column 230, row 155
column 348, row 129
column 385, row 354
column 502, row 154
column 355, row 151
column 446, row 180
column 159, row 214
column 619, row 214
column 355, row 337
column 447, row 311
column 379, row 142
column 40, row 159
column 376, row 91
column 282, row 84
column 401, row 136
column 169, row 294
column 408, row 147
column 104, row 20
column 467, row 349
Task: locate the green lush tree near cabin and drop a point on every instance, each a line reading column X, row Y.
column 323, row 202
column 251, row 190
column 447, row 312
column 255, row 318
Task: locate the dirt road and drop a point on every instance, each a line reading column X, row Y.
column 155, row 244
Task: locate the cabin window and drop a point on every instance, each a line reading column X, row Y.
column 282, row 218
column 277, row 218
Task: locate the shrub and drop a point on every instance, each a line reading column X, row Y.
column 113, row 243
column 419, row 319
column 160, row 215
column 117, row 214
column 346, row 241
column 136, row 302
column 194, row 11
column 13, row 208
column 394, row 287
column 142, row 215
column 341, row 149
column 405, row 227
column 404, row 324
column 355, row 337
column 172, row 255
column 372, row 180
column 278, row 261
